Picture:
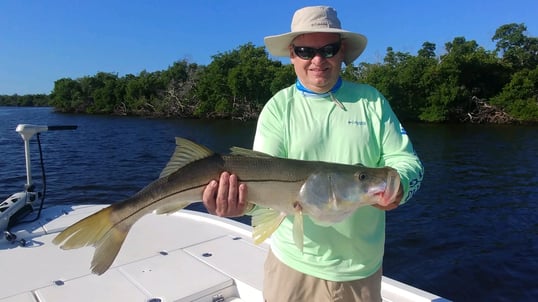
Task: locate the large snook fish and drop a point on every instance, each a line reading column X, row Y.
column 327, row 192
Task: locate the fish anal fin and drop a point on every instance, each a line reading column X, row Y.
column 265, row 222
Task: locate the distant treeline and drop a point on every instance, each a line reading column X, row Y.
column 28, row 100
column 466, row 84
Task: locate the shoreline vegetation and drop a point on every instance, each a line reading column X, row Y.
column 467, row 84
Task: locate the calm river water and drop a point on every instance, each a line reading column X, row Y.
column 470, row 233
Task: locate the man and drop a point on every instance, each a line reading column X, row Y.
column 322, row 117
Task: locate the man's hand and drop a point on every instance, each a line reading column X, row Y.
column 225, row 198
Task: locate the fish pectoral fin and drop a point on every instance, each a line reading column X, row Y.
column 298, row 230
column 100, row 231
column 264, row 222
column 171, row 207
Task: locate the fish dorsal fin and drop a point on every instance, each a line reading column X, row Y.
column 186, row 152
column 247, row 152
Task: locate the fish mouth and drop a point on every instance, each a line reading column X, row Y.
column 377, row 190
column 387, row 190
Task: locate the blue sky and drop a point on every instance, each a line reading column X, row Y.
column 43, row 41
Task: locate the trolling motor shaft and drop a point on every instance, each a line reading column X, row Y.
column 27, row 131
column 20, row 204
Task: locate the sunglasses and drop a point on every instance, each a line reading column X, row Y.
column 307, row 53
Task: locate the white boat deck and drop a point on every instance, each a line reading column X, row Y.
column 187, row 256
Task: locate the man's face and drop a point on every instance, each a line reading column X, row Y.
column 318, row 74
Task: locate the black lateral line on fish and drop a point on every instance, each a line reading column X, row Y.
column 192, row 188
column 269, row 180
column 154, row 202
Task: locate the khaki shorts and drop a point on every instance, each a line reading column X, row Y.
column 284, row 284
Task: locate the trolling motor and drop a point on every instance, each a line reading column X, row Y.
column 20, row 204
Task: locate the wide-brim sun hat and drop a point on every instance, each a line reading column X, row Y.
column 316, row 19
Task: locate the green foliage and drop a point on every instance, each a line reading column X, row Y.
column 29, row 100
column 518, row 50
column 235, row 85
column 427, row 88
column 520, row 97
column 67, row 96
column 179, row 98
column 238, row 83
column 284, row 76
column 455, row 86
column 106, row 93
column 405, row 80
column 465, row 71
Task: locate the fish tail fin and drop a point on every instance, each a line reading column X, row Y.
column 265, row 222
column 98, row 230
column 298, row 230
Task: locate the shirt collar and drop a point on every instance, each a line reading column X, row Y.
column 308, row 92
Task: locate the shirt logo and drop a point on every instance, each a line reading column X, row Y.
column 356, row 123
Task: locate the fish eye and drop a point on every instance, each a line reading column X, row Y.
column 361, row 176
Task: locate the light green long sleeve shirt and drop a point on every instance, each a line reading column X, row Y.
column 294, row 125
